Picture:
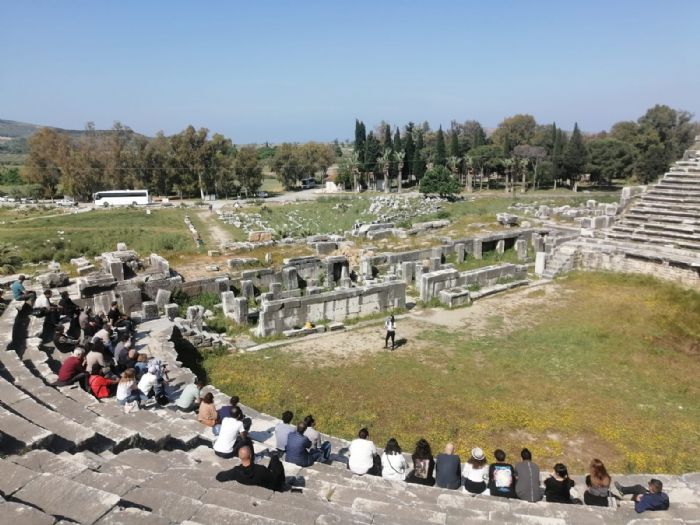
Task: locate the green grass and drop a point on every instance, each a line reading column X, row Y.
column 609, row 372
column 93, row 232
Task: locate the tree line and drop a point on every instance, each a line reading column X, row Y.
column 519, row 151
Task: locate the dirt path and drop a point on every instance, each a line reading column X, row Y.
column 218, row 234
column 499, row 314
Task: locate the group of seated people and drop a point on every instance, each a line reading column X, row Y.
column 302, row 446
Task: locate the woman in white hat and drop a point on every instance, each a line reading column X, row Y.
column 476, row 472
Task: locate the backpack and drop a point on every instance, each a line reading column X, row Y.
column 278, row 479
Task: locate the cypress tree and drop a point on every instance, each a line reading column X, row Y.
column 418, row 162
column 373, row 150
column 409, row 149
column 387, row 138
column 575, row 155
column 359, row 137
column 397, row 140
column 455, row 150
column 440, row 149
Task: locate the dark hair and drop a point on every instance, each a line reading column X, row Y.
column 392, row 447
column 309, row 421
column 526, row 454
column 423, row 449
column 561, row 471
column 200, row 382
column 499, row 455
column 599, row 475
column 234, row 400
column 287, row 416
column 656, row 486
column 363, row 433
column 115, row 303
column 236, row 413
column 96, row 369
column 301, row 427
column 208, row 398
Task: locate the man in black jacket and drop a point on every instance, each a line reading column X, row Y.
column 247, row 473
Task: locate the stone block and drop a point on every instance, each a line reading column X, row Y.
column 130, row 300
column 240, row 262
column 290, row 279
column 459, row 252
column 500, row 246
column 213, row 253
column 223, row 284
column 52, row 279
column 54, row 266
column 163, row 298
column 121, row 247
column 521, row 249
column 240, row 310
column 540, row 258
column 150, row 310
column 453, row 297
column 172, row 310
column 477, row 249
column 326, row 247
column 538, row 243
column 212, row 267
column 247, row 289
column 86, row 269
column 435, row 263
column 159, row 263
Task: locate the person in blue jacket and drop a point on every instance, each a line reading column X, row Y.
column 652, row 498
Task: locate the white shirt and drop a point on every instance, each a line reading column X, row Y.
column 314, row 436
column 147, row 382
column 230, row 428
column 42, row 302
column 123, row 390
column 361, row 452
column 102, row 334
column 394, row 467
column 477, row 475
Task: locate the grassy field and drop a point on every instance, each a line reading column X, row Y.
column 36, row 235
column 608, row 371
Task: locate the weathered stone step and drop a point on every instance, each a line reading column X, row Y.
column 64, row 497
column 689, row 245
column 131, row 516
column 20, row 514
column 13, row 477
column 649, row 197
column 662, row 233
column 17, row 433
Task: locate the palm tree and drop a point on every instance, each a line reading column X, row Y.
column 508, row 165
column 355, row 167
column 453, row 165
column 400, row 156
column 384, row 163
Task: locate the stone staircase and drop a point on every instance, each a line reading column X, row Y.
column 668, row 214
column 561, row 261
column 68, row 458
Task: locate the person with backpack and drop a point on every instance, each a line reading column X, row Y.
column 501, row 476
column 423, row 465
column 390, row 325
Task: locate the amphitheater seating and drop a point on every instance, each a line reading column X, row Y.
column 69, row 458
column 668, row 214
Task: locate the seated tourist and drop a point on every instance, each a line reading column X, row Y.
column 190, row 397
column 501, row 476
column 394, row 465
column 527, row 478
column 249, row 473
column 598, row 482
column 476, row 472
column 86, row 324
column 229, row 436
column 448, row 467
column 362, row 453
column 127, row 389
column 651, row 498
column 141, row 366
column 96, row 356
column 557, row 487
column 44, row 307
column 148, row 383
column 282, row 430
column 62, row 342
column 72, row 369
column 121, row 351
column 19, row 293
column 423, row 465
column 100, row 386
column 104, row 334
column 315, row 438
column 225, row 411
column 298, row 449
column 207, row 411
column 66, row 306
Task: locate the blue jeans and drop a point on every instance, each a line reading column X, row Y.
column 321, row 454
column 136, row 395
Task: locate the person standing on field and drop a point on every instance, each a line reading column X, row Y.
column 390, row 325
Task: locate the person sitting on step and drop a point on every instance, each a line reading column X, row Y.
column 298, row 450
column 394, row 465
column 598, row 482
column 557, row 487
column 62, row 342
column 423, row 465
column 315, row 438
column 100, row 386
column 230, row 435
column 251, row 474
column 73, row 369
column 190, row 397
column 207, row 411
column 476, row 472
column 363, row 455
column 282, row 431
column 447, row 469
column 501, row 476
column 651, row 498
column 527, row 478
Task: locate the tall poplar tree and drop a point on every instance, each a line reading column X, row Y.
column 575, row 155
column 455, row 150
column 440, row 149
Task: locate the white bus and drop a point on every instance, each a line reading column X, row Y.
column 120, row 198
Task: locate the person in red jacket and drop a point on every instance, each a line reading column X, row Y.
column 72, row 369
column 100, row 386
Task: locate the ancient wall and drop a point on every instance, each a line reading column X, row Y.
column 337, row 305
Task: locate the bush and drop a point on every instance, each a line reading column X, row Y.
column 439, row 180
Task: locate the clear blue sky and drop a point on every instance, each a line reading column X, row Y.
column 303, row 70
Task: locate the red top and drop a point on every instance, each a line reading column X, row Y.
column 100, row 386
column 70, row 368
